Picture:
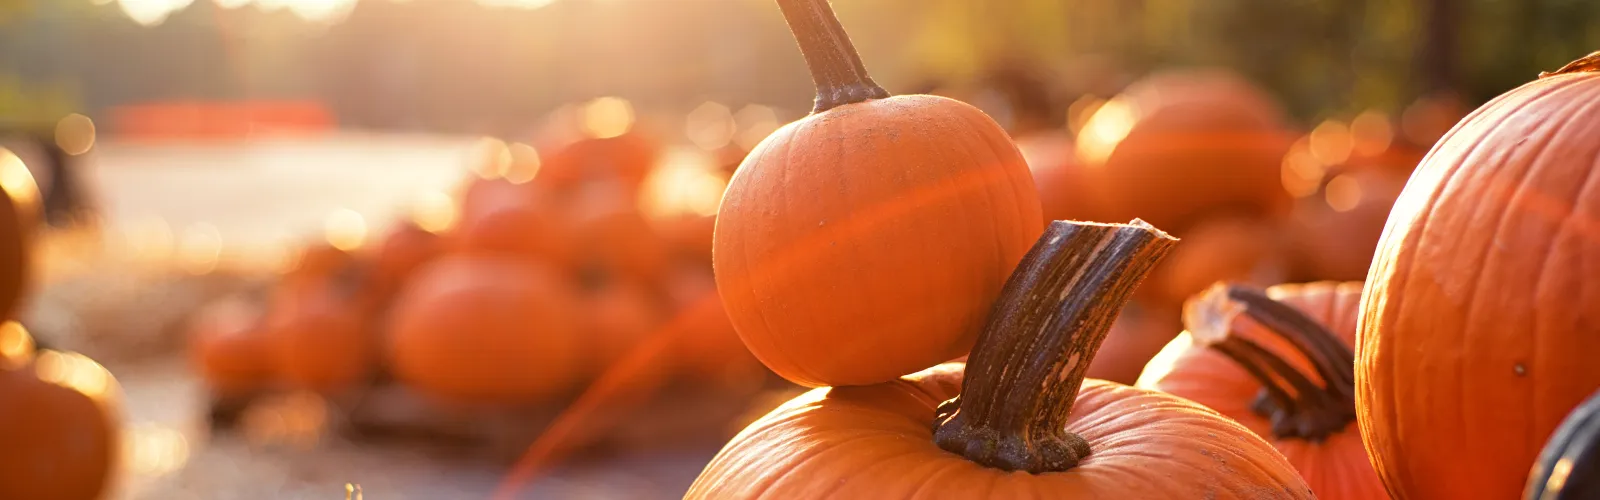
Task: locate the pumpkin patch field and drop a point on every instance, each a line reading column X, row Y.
column 799, row 249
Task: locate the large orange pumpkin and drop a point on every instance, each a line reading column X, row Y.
column 230, row 348
column 59, row 423
column 1479, row 314
column 487, row 329
column 865, row 241
column 1018, row 420
column 19, row 209
column 1280, row 363
column 1181, row 144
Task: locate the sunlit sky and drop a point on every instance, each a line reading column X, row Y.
column 154, row 12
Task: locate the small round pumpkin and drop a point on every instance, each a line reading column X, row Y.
column 1280, row 363
column 322, row 338
column 1180, row 144
column 1480, row 305
column 405, row 248
column 865, row 241
column 487, row 329
column 1569, row 466
column 59, row 424
column 229, row 347
column 1018, row 420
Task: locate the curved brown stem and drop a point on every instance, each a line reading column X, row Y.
column 1587, row 64
column 1298, row 407
column 836, row 68
column 1023, row 375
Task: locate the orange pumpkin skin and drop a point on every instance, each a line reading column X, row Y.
column 868, row 241
column 1337, row 468
column 876, row 442
column 613, row 236
column 618, row 317
column 322, row 339
column 1180, row 144
column 507, row 220
column 1480, row 305
column 627, row 158
column 60, row 443
column 1066, row 189
column 404, row 249
column 486, row 329
column 16, row 228
column 229, row 347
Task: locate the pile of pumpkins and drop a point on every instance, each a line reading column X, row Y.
column 60, row 419
column 543, row 274
column 861, row 248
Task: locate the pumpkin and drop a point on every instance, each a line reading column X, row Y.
column 1480, row 304
column 19, row 211
column 406, row 247
column 708, row 349
column 511, row 219
column 865, row 241
column 486, row 329
column 1280, row 363
column 612, row 236
column 1018, row 420
column 1066, row 189
column 1238, row 248
column 1332, row 235
column 626, row 159
column 59, row 423
column 617, row 317
column 1569, row 466
column 323, row 338
column 1180, row 144
column 229, row 348
column 1138, row 334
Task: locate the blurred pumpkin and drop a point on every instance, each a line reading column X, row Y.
column 505, row 218
column 406, row 247
column 612, row 236
column 1480, row 304
column 318, row 263
column 487, row 329
column 1231, row 248
column 1333, row 234
column 1178, row 145
column 1138, row 334
column 612, row 150
column 322, row 338
column 687, row 284
column 1279, row 362
column 229, row 346
column 1066, row 190
column 709, row 350
column 867, row 240
column 59, row 424
column 617, row 317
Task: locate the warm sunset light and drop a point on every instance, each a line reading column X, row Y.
column 491, row 158
column 1343, row 193
column 755, row 123
column 434, row 212
column 77, row 372
column 1331, row 142
column 75, row 134
column 684, row 185
column 199, row 248
column 1371, row 132
column 607, row 117
column 16, row 345
column 710, row 126
column 523, row 164
column 1106, row 128
column 345, row 229
column 1301, row 171
column 156, row 450
column 17, row 180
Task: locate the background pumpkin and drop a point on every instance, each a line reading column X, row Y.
column 59, row 424
column 1178, row 145
column 509, row 219
column 840, row 265
column 322, row 339
column 1314, row 429
column 1480, row 301
column 19, row 211
column 617, row 316
column 230, row 348
column 1011, row 412
column 486, row 329
column 405, row 248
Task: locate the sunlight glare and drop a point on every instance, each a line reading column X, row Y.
column 756, row 122
column 516, row 4
column 16, row 346
column 75, row 134
column 684, row 186
column 1106, row 128
column 710, row 126
column 523, row 164
column 1301, row 171
column 231, row 4
column 17, row 181
column 151, row 13
column 156, row 450
column 77, row 372
column 199, row 248
column 1331, row 142
column 491, row 158
column 1371, row 132
column 1343, row 193
column 345, row 229
column 322, row 11
column 434, row 212
column 607, row 117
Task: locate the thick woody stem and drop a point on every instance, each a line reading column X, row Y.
column 1023, row 376
column 1298, row 407
column 835, row 66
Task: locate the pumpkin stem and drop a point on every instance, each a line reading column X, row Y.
column 1298, row 407
column 835, row 66
column 1569, row 465
column 1023, row 375
column 1588, row 64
